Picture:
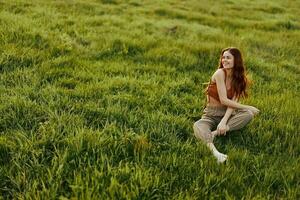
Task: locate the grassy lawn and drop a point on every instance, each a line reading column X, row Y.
column 98, row 99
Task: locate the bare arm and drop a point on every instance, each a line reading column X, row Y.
column 222, row 126
column 227, row 114
column 219, row 77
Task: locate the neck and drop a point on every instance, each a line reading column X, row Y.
column 229, row 71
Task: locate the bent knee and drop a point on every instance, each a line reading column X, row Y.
column 200, row 133
column 196, row 129
column 247, row 116
column 250, row 114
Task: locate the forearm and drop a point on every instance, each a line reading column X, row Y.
column 232, row 104
column 227, row 114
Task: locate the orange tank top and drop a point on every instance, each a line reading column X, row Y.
column 212, row 91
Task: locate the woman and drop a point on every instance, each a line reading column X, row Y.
column 223, row 113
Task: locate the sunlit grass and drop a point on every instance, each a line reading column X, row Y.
column 98, row 98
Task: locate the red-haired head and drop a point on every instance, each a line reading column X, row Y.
column 239, row 81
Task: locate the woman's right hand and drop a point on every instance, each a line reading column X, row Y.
column 254, row 110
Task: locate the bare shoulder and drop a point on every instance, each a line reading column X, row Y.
column 219, row 73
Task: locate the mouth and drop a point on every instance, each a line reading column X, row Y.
column 227, row 65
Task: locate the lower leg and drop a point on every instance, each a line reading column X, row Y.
column 219, row 156
column 203, row 132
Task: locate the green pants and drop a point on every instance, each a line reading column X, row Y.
column 212, row 117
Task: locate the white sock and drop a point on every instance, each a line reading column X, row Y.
column 220, row 156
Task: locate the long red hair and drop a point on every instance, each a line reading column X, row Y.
column 239, row 81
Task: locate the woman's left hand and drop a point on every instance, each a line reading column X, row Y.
column 221, row 128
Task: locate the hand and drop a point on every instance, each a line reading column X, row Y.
column 254, row 110
column 221, row 128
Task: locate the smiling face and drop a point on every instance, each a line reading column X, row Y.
column 227, row 60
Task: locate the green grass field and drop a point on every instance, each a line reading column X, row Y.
column 98, row 99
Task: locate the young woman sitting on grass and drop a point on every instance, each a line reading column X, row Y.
column 223, row 113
